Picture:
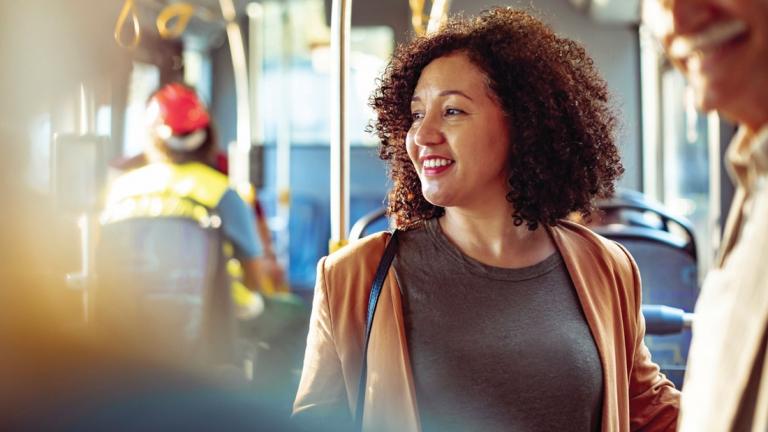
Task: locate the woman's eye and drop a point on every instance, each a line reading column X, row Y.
column 417, row 116
column 453, row 111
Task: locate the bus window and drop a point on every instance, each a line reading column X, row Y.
column 680, row 148
column 145, row 79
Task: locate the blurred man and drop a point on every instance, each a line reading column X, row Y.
column 722, row 48
column 182, row 148
column 147, row 258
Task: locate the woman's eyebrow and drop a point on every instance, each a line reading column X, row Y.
column 454, row 92
column 445, row 93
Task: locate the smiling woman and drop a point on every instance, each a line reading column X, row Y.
column 496, row 313
column 544, row 83
column 458, row 141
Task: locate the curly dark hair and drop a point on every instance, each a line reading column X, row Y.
column 563, row 154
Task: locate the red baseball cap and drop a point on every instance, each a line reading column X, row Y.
column 177, row 107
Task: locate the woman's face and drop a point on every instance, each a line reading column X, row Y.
column 458, row 142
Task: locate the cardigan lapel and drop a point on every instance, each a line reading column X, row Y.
column 390, row 378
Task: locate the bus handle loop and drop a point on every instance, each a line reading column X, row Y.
column 129, row 9
column 182, row 12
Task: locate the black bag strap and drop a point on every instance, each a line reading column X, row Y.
column 378, row 283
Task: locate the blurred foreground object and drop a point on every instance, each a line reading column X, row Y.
column 721, row 46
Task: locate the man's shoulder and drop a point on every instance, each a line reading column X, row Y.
column 204, row 171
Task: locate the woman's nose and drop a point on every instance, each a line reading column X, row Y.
column 428, row 131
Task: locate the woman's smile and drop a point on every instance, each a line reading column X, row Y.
column 433, row 166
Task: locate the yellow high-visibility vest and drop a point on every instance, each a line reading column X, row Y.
column 162, row 189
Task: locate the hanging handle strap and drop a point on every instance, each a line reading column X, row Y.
column 128, row 12
column 181, row 12
column 373, row 299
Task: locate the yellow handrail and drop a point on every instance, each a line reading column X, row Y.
column 417, row 16
column 437, row 17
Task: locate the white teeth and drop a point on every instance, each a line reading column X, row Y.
column 712, row 36
column 434, row 163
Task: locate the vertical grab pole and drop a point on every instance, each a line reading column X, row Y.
column 438, row 15
column 255, row 12
column 341, row 22
column 240, row 167
column 283, row 138
column 88, row 221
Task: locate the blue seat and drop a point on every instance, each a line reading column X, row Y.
column 309, row 228
column 664, row 247
column 371, row 222
column 163, row 286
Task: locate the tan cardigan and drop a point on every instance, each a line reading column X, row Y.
column 635, row 396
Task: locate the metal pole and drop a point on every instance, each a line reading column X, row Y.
column 438, row 15
column 88, row 221
column 255, row 13
column 283, row 142
column 341, row 22
column 650, row 74
column 240, row 166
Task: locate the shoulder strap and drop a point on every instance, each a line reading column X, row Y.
column 378, row 283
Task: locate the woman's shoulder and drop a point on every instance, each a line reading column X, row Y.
column 364, row 252
column 579, row 239
column 346, row 274
column 599, row 262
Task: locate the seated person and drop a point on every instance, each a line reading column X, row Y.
column 181, row 148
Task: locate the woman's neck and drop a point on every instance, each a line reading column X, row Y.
column 493, row 238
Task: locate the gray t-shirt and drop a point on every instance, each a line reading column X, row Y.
column 495, row 348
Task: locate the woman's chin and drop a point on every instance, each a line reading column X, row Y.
column 436, row 198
